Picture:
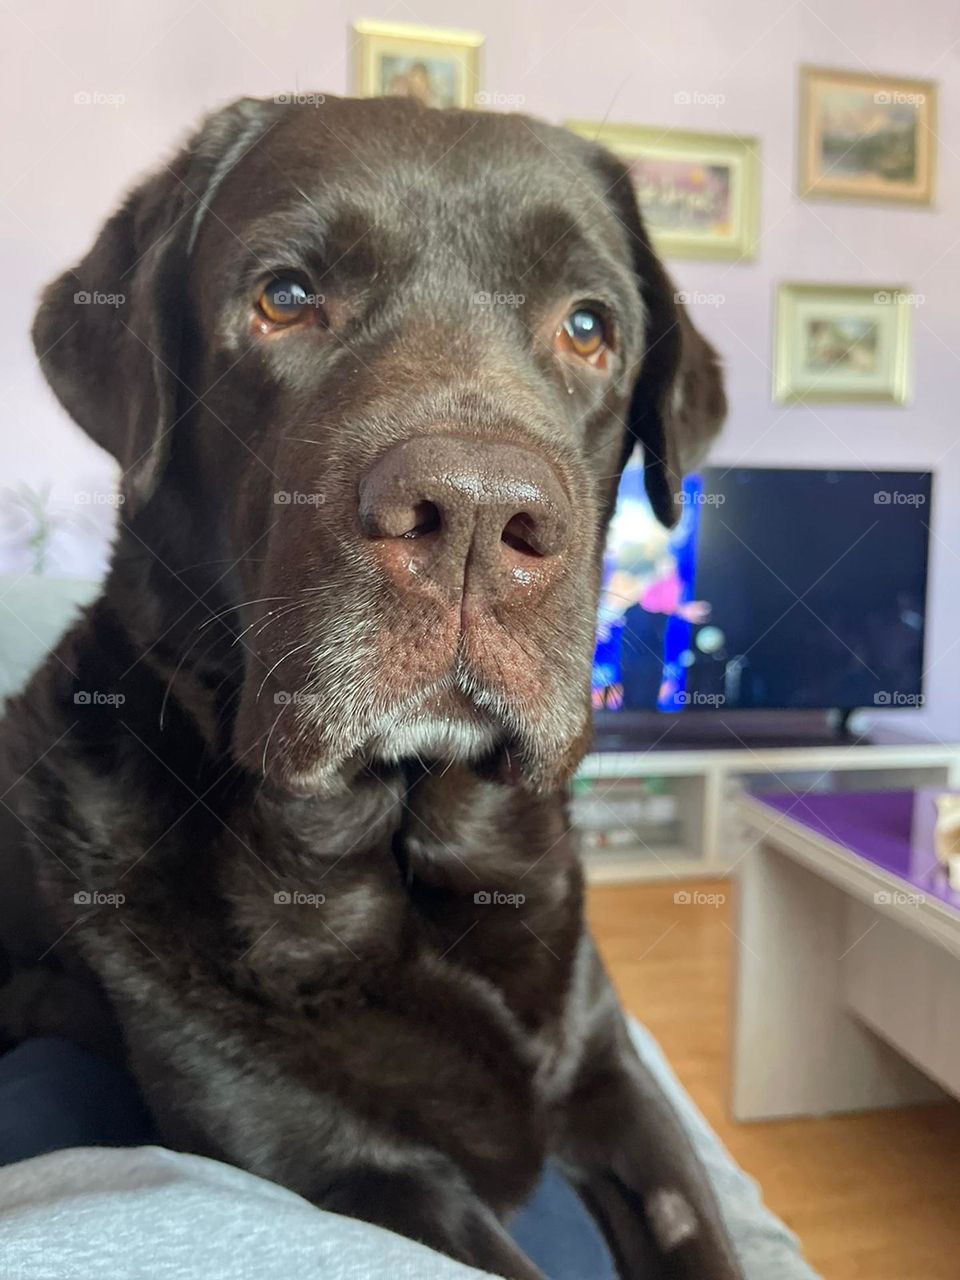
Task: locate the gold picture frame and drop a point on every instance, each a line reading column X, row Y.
column 441, row 67
column 699, row 192
column 870, row 138
column 842, row 344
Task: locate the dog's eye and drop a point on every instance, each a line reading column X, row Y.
column 284, row 301
column 585, row 333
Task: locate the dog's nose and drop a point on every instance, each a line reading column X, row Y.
column 467, row 516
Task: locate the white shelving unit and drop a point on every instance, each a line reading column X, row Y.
column 664, row 814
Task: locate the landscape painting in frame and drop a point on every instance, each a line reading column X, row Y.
column 440, row 68
column 842, row 344
column 699, row 192
column 867, row 137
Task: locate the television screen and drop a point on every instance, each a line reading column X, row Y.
column 777, row 588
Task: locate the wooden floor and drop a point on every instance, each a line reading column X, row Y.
column 874, row 1196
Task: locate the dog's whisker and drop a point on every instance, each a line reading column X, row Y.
column 176, row 671
column 231, row 560
column 265, row 621
column 235, row 608
column 288, row 654
column 263, row 758
column 276, row 614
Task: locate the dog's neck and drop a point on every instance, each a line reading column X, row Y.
column 403, row 854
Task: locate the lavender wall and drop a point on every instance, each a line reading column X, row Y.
column 66, row 163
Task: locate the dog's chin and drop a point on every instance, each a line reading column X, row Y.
column 429, row 744
column 427, row 738
column 422, row 741
column 450, row 724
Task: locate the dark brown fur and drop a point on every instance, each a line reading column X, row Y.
column 401, row 1051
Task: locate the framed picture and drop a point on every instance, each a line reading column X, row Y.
column 699, row 192
column 441, row 68
column 865, row 137
column 842, row 344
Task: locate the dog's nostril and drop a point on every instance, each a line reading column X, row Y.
column 426, row 519
column 520, row 533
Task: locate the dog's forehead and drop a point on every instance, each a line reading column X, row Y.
column 377, row 141
column 401, row 163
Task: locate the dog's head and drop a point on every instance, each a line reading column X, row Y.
column 380, row 367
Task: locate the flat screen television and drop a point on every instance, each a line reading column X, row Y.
column 777, row 589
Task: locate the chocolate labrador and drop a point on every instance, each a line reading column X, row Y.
column 293, row 788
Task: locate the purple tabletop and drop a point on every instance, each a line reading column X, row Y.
column 892, row 830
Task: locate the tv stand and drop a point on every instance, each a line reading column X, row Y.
column 638, row 731
column 664, row 808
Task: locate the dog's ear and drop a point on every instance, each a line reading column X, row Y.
column 108, row 333
column 678, row 402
